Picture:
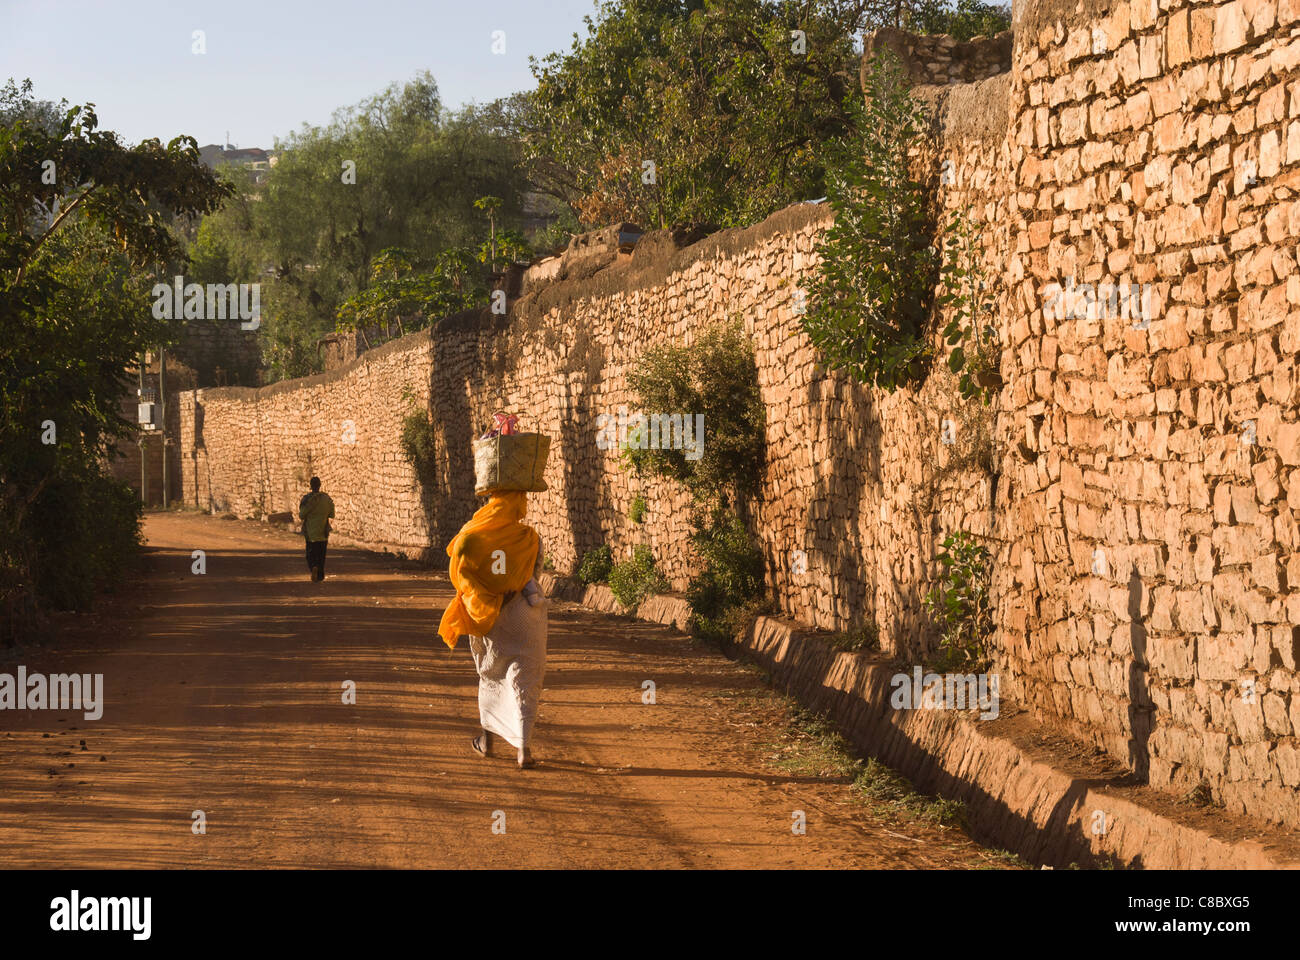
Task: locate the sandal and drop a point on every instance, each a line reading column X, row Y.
column 481, row 749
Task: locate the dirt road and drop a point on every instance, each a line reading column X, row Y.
column 224, row 693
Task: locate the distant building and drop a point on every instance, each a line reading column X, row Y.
column 252, row 158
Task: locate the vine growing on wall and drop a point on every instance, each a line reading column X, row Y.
column 967, row 293
column 961, row 604
column 869, row 299
column 417, row 439
column 879, row 268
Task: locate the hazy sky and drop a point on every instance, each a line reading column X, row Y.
column 272, row 65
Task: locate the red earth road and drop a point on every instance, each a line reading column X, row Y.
column 224, row 693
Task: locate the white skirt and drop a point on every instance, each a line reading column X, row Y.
column 511, row 665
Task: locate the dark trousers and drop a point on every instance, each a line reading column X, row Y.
column 316, row 555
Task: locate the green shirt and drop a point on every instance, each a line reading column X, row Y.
column 315, row 511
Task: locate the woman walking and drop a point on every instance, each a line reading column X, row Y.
column 494, row 561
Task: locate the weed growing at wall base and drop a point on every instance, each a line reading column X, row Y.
column 961, row 604
column 728, row 591
column 634, row 580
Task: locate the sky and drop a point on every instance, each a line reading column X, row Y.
column 269, row 66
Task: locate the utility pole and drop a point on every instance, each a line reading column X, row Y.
column 144, row 469
column 162, row 416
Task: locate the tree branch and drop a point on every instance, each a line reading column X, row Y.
column 22, row 267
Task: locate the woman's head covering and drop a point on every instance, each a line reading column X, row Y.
column 492, row 555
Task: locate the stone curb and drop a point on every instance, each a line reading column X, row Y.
column 1015, row 802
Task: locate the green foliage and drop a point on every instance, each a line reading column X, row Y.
column 715, row 376
column 595, row 566
column 418, row 445
column 732, row 108
column 728, row 590
column 636, row 512
column 971, row 329
column 968, row 18
column 870, row 298
column 508, row 246
column 89, row 527
column 961, row 605
column 316, row 238
column 633, row 580
column 399, row 295
column 555, row 238
column 889, row 792
column 815, row 747
column 713, row 93
column 74, row 296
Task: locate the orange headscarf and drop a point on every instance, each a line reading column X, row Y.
column 492, row 555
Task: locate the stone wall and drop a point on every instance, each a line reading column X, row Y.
column 251, row 451
column 1151, row 535
column 853, row 475
column 1138, row 482
column 939, row 59
column 220, row 352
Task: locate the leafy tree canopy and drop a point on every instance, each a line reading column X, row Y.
column 85, row 224
column 731, row 102
column 396, row 171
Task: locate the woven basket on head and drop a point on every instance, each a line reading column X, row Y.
column 513, row 461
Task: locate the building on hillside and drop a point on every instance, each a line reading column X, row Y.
column 255, row 159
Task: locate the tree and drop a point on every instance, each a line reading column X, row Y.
column 708, row 111
column 395, row 171
column 964, row 20
column 399, row 293
column 84, row 221
column 490, row 205
column 878, row 265
column 673, row 112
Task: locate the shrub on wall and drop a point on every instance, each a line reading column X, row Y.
column 633, row 580
column 879, row 268
column 715, row 376
column 966, row 293
column 595, row 566
column 418, row 444
column 870, row 298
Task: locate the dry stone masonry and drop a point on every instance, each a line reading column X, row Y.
column 1138, row 479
